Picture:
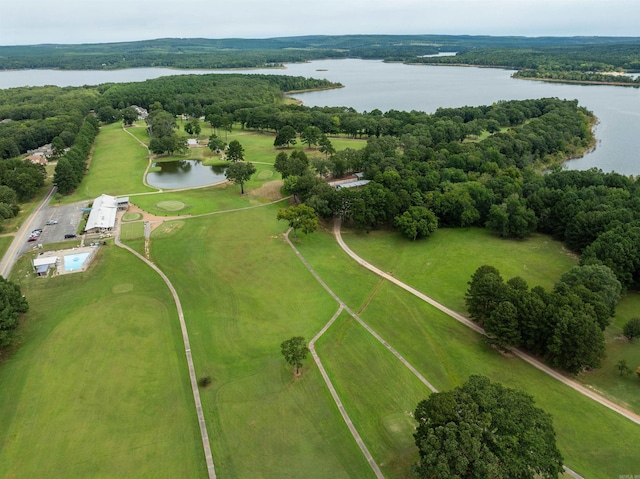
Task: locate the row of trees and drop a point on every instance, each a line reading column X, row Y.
column 12, row 305
column 564, row 325
column 71, row 168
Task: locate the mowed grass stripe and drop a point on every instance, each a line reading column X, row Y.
column 117, row 166
column 446, row 353
column 98, row 387
column 244, row 292
column 379, row 393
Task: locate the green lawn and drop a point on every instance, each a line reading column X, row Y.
column 117, row 166
column 244, row 292
column 592, row 438
column 132, row 231
column 98, row 386
column 442, row 265
column 5, row 242
column 379, row 393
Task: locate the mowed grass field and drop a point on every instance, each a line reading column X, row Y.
column 442, row 266
column 117, row 166
column 595, row 441
column 244, row 292
column 98, row 386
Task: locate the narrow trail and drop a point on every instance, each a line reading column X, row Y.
column 534, row 362
column 187, row 348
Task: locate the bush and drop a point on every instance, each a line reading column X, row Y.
column 632, row 329
column 204, row 381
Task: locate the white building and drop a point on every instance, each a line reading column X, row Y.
column 102, row 217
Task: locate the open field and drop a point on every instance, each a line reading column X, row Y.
column 98, row 386
column 117, row 166
column 379, row 393
column 101, row 355
column 5, row 242
column 442, row 265
column 244, row 292
column 591, row 437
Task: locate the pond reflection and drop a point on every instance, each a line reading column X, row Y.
column 185, row 173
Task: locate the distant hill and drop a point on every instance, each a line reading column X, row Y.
column 246, row 53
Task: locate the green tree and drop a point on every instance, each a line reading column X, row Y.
column 235, row 151
column 129, row 115
column 310, row 136
column 57, row 147
column 502, row 325
column 193, row 127
column 486, row 290
column 485, row 430
column 239, row 173
column 216, row 144
column 623, row 368
column 631, row 329
column 326, row 146
column 416, row 222
column 294, row 351
column 12, row 304
column 65, row 177
column 285, row 137
column 301, row 217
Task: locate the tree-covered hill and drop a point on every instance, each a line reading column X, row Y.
column 239, row 52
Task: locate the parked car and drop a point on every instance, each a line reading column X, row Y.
column 32, row 238
column 38, row 231
column 51, row 222
column 69, row 235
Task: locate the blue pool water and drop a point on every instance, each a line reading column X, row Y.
column 73, row 262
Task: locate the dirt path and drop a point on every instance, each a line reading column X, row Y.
column 534, row 362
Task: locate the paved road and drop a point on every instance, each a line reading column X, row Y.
column 18, row 246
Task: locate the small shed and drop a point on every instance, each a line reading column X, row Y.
column 123, row 203
column 41, row 265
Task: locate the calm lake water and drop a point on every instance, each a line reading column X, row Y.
column 185, row 173
column 371, row 84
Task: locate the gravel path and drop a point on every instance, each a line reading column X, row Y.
column 187, row 348
column 534, row 362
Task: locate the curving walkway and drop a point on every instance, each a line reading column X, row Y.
column 187, row 348
column 534, row 362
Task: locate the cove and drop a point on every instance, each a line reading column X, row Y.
column 184, row 174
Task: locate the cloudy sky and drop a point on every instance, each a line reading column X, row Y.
column 24, row 22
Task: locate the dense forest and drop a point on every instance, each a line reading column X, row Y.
column 584, row 63
column 593, row 54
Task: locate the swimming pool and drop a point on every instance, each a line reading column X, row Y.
column 74, row 262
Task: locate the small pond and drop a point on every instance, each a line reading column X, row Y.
column 185, row 173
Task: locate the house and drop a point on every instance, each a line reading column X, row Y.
column 102, row 217
column 353, row 181
column 37, row 159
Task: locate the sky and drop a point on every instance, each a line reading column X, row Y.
column 27, row 22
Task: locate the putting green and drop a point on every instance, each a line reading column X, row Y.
column 171, row 205
column 265, row 174
column 132, row 216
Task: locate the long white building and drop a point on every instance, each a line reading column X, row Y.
column 102, row 217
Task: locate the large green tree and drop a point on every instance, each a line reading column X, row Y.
column 235, row 151
column 484, row 430
column 301, row 217
column 486, row 291
column 416, row 222
column 294, row 351
column 12, row 304
column 240, row 173
column 286, row 136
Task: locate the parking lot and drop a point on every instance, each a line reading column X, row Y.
column 66, row 218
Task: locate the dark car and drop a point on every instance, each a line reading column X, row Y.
column 32, row 238
column 69, row 235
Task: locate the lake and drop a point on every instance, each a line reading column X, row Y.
column 371, row 84
column 185, row 173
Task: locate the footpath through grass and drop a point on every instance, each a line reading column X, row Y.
column 244, row 292
column 595, row 441
column 98, row 386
